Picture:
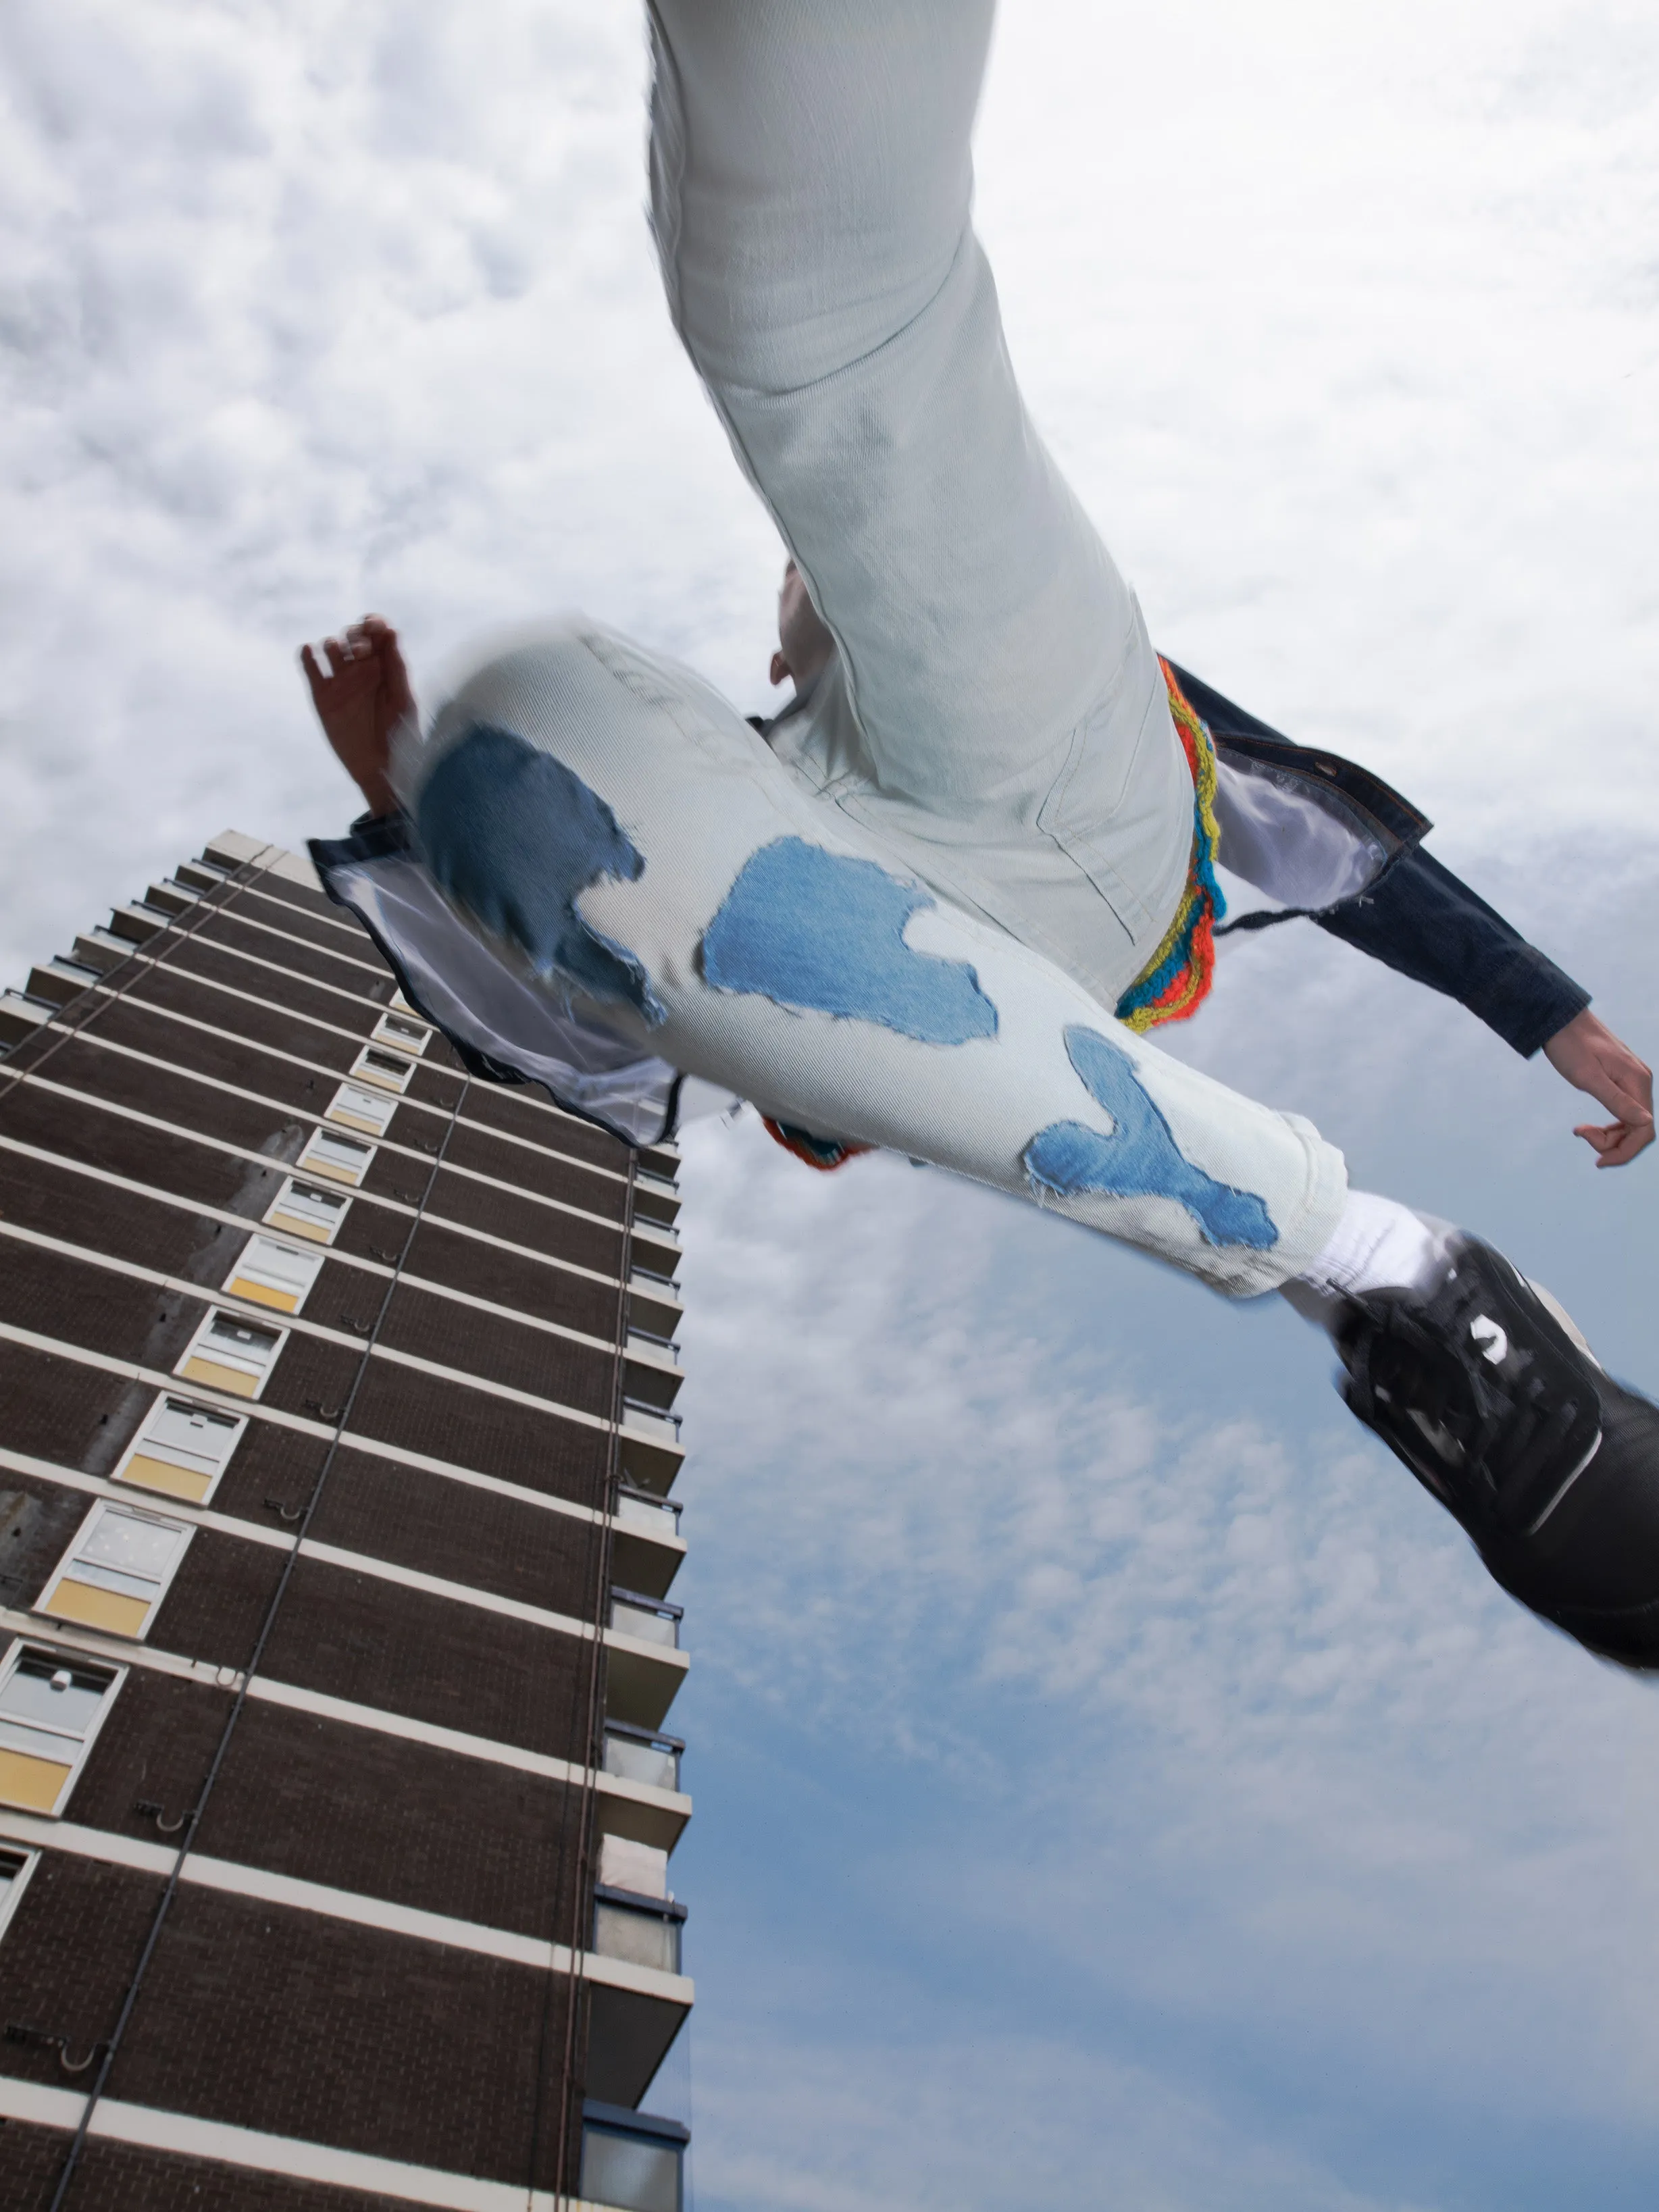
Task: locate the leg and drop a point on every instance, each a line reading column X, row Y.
column 811, row 182
column 612, row 820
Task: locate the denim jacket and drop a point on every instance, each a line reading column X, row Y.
column 1372, row 882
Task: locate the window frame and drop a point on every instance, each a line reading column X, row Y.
column 309, row 1254
column 22, row 1648
column 387, row 1035
column 295, row 1186
column 135, row 1450
column 204, row 1329
column 382, row 1102
column 102, row 1508
column 372, row 1067
column 13, row 1896
column 306, row 1165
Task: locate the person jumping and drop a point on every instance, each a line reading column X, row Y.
column 937, row 904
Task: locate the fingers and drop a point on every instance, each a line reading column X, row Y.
column 363, row 641
column 1618, row 1143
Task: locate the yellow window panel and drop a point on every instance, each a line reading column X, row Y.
column 262, row 1294
column 213, row 1377
column 333, row 1171
column 273, row 1274
column 296, row 1226
column 191, row 1482
column 37, row 1784
column 112, row 1610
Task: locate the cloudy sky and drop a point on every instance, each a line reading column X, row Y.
column 1116, row 1784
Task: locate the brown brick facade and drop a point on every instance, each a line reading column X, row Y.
column 305, row 2019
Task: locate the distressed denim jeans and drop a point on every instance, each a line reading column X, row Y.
column 905, row 920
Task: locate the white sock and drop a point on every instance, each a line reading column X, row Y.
column 1377, row 1245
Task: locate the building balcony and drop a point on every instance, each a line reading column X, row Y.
column 651, row 1374
column 654, row 1250
column 60, row 980
column 644, row 1931
column 653, row 1306
column 21, row 1016
column 655, row 1199
column 639, row 1796
column 645, row 1665
column 631, row 2161
column 647, row 1547
column 651, row 1453
column 139, row 921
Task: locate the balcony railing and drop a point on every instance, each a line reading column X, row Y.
column 636, row 1414
column 642, row 1755
column 646, row 1620
column 644, row 1931
column 632, row 2160
column 640, row 1510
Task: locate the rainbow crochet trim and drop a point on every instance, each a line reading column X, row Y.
column 1177, row 981
column 824, row 1153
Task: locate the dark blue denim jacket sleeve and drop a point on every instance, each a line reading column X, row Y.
column 1420, row 920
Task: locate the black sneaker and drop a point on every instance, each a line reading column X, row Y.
column 1494, row 1401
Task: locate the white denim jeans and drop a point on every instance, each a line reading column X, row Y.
column 904, row 922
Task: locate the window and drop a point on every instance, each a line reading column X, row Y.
column 52, row 1707
column 637, row 1754
column 229, row 1353
column 406, row 1035
column 273, row 1274
column 117, row 1570
column 304, row 1211
column 15, row 1867
column 341, row 1159
column 631, row 2160
column 360, row 1109
column 182, row 1450
column 390, row 1071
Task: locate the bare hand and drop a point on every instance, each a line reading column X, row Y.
column 1592, row 1059
column 361, row 697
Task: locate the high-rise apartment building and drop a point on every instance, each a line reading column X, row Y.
column 336, row 1649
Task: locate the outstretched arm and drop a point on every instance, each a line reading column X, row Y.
column 1424, row 921
column 360, row 696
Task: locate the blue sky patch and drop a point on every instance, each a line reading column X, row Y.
column 1139, row 1159
column 513, row 837
column 812, row 930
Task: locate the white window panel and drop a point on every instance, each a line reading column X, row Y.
column 360, row 1108
column 116, row 1571
column 387, row 1071
column 229, row 1353
column 403, row 1033
column 273, row 1274
column 52, row 1707
column 341, row 1159
column 182, row 1450
column 401, row 1003
column 15, row 1867
column 305, row 1210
